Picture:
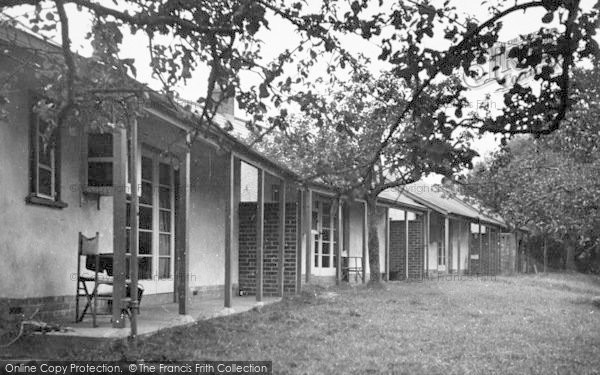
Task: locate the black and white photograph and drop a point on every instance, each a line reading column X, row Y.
column 299, row 187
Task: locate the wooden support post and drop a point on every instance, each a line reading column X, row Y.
column 365, row 234
column 458, row 247
column 299, row 233
column 182, row 238
column 260, row 231
column 387, row 244
column 469, row 240
column 447, row 242
column 133, row 222
column 490, row 253
column 427, row 241
column 340, row 244
column 119, row 223
column 480, row 250
column 406, row 243
column 229, row 228
column 308, row 233
column 281, row 263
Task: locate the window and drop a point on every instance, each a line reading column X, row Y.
column 441, row 254
column 475, row 228
column 44, row 173
column 100, row 159
column 275, row 193
column 156, row 224
column 99, row 164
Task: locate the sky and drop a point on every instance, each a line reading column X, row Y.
column 281, row 36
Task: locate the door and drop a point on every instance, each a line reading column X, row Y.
column 324, row 235
column 156, row 224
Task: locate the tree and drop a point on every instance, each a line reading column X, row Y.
column 223, row 35
column 332, row 145
column 551, row 184
column 183, row 36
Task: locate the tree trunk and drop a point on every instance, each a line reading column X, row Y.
column 545, row 254
column 569, row 254
column 373, row 242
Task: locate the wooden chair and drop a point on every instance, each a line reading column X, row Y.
column 88, row 247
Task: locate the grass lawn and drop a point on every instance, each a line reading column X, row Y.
column 523, row 324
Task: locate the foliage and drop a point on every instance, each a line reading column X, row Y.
column 333, row 145
column 389, row 145
column 224, row 35
column 551, row 184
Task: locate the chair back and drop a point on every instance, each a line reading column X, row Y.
column 87, row 245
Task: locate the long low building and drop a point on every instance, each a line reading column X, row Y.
column 214, row 218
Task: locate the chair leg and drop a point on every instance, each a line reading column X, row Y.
column 95, row 307
column 88, row 304
column 77, row 304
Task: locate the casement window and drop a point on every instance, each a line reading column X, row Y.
column 156, row 225
column 99, row 159
column 441, row 254
column 44, row 165
column 99, row 163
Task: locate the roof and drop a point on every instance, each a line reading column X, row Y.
column 21, row 37
column 411, row 196
column 396, row 197
column 445, row 202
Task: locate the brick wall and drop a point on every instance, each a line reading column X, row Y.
column 247, row 248
column 398, row 249
column 58, row 308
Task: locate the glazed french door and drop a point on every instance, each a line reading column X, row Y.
column 156, row 224
column 324, row 235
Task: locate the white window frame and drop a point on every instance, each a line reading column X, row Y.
column 35, row 143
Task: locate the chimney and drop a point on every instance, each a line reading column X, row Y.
column 227, row 106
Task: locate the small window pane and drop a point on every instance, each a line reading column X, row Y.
column 128, row 267
column 316, row 261
column 45, row 152
column 100, row 174
column 145, row 218
column 165, row 198
column 145, row 243
column 164, row 268
column 164, row 175
column 325, row 247
column 165, row 221
column 128, row 215
column 326, row 234
column 325, row 261
column 100, row 145
column 315, row 219
column 145, row 268
column 45, row 182
column 164, row 246
column 146, row 168
column 146, row 197
column 127, row 240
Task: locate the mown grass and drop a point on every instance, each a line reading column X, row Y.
column 524, row 324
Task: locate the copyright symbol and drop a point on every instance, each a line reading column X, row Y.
column 132, row 367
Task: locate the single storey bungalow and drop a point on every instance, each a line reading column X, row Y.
column 197, row 217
